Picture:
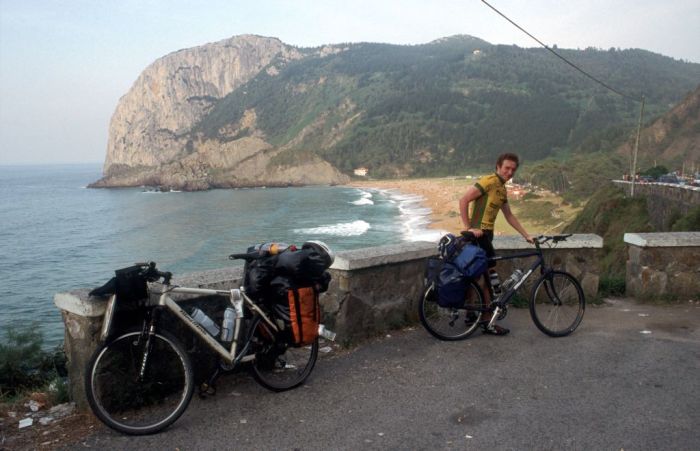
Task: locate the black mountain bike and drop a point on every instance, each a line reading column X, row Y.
column 557, row 302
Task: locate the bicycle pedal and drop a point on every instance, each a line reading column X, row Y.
column 206, row 390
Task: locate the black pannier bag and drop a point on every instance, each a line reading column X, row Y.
column 298, row 267
column 451, row 287
column 258, row 274
column 301, row 265
column 129, row 284
column 432, row 270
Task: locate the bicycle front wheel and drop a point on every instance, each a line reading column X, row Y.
column 279, row 365
column 134, row 403
column 451, row 324
column 557, row 304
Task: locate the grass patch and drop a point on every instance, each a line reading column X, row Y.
column 519, row 301
column 612, row 286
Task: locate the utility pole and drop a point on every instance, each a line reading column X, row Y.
column 636, row 147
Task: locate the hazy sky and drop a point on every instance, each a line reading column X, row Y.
column 64, row 64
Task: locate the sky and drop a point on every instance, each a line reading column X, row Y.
column 64, row 64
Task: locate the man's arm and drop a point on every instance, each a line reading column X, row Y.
column 513, row 221
column 471, row 195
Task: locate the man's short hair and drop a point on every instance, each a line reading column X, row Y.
column 507, row 156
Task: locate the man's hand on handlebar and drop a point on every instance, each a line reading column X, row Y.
column 476, row 232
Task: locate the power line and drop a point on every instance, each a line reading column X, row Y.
column 561, row 57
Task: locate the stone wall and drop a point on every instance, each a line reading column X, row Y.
column 663, row 265
column 665, row 201
column 373, row 290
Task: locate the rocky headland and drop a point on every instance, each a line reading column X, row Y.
column 151, row 137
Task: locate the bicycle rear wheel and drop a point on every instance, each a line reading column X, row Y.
column 557, row 304
column 279, row 365
column 451, row 324
column 137, row 405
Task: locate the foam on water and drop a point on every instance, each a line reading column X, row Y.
column 365, row 199
column 414, row 217
column 354, row 228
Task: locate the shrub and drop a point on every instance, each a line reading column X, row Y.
column 25, row 366
column 612, row 286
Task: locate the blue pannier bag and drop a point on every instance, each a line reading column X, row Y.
column 471, row 261
column 451, row 287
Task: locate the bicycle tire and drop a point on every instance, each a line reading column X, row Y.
column 557, row 304
column 279, row 365
column 139, row 407
column 451, row 324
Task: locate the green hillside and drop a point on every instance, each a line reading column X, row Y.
column 448, row 106
column 610, row 214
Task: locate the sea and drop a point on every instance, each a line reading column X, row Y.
column 57, row 235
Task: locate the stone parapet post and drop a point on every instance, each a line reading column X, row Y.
column 663, row 265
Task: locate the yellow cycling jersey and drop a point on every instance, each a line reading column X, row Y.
column 486, row 207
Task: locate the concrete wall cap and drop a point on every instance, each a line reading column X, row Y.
column 577, row 241
column 204, row 279
column 380, row 255
column 79, row 303
column 663, row 239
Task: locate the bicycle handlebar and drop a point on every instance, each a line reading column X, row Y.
column 468, row 235
column 541, row 239
column 151, row 274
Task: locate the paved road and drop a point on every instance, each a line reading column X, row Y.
column 611, row 385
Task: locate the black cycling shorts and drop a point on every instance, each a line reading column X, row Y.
column 485, row 242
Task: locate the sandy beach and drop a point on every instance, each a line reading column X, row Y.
column 441, row 196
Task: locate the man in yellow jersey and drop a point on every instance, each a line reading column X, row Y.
column 490, row 196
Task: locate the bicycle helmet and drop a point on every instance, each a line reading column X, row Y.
column 323, row 249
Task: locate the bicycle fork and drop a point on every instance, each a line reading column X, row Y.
column 149, row 330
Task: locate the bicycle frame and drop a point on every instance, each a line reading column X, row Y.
column 501, row 301
column 237, row 299
column 504, row 297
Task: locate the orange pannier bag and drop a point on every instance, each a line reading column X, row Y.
column 304, row 314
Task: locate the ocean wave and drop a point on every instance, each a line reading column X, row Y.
column 354, row 228
column 365, row 198
column 414, row 217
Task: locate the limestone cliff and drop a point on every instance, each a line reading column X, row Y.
column 150, row 140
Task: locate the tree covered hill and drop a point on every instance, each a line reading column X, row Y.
column 445, row 106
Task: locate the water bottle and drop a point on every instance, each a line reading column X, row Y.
column 206, row 322
column 495, row 282
column 513, row 279
column 227, row 324
column 326, row 333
